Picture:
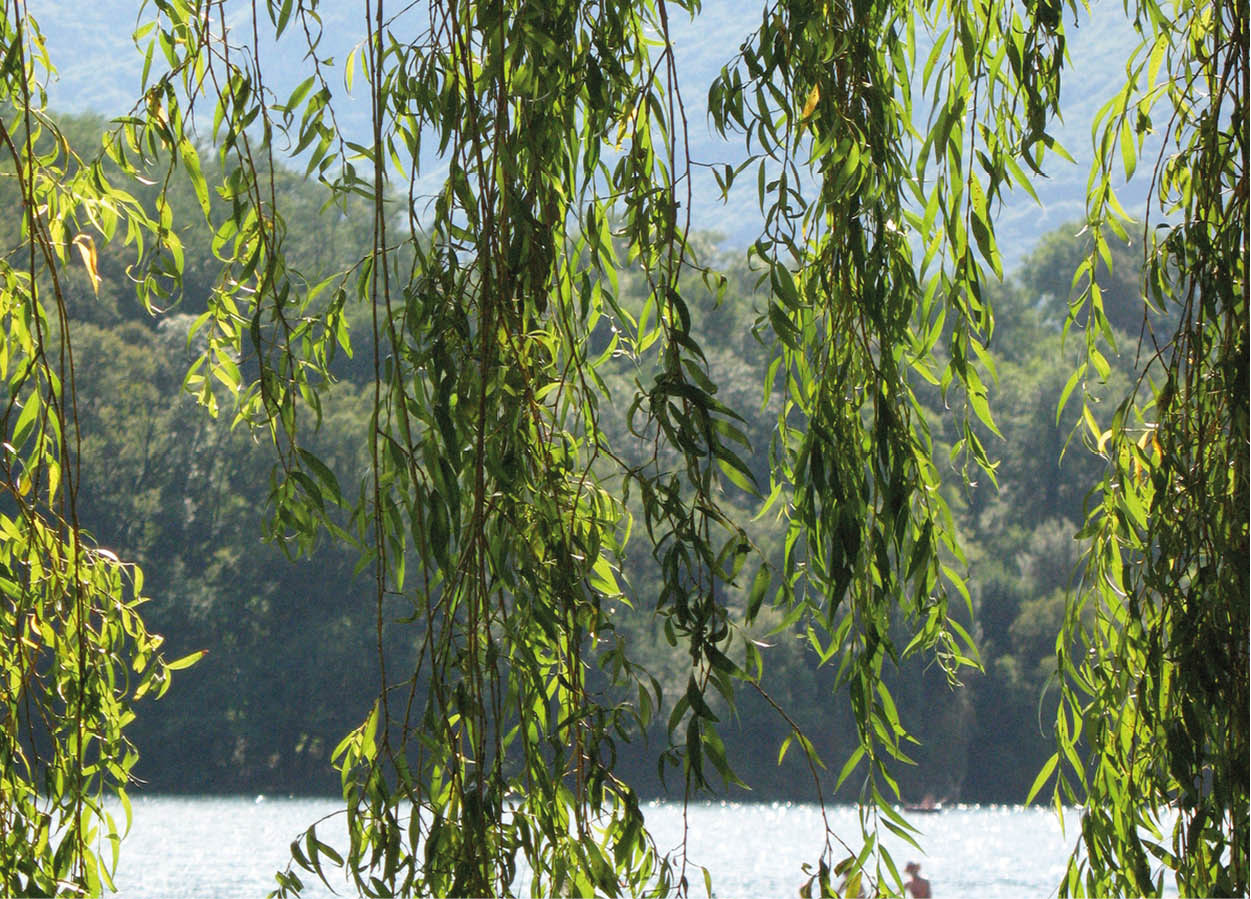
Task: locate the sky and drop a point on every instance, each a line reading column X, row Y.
column 99, row 71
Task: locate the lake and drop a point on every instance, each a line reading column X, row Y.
column 230, row 846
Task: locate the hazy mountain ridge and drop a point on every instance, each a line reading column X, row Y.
column 99, row 69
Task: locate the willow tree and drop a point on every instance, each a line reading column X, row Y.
column 1153, row 722
column 495, row 512
column 75, row 652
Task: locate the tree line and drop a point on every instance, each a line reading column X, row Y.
column 186, row 496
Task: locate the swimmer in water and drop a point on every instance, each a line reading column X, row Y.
column 918, row 887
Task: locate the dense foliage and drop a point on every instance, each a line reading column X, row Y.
column 1157, row 683
column 233, row 725
column 540, row 505
column 76, row 654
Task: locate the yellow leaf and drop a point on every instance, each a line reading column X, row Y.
column 87, row 249
column 625, row 127
column 812, row 101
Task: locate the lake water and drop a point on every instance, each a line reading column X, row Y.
column 230, row 847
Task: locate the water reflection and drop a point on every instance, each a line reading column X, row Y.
column 230, row 847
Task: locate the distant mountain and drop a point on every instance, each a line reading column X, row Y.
column 99, row 68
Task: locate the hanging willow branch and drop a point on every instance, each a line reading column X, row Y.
column 495, row 512
column 76, row 655
column 1154, row 648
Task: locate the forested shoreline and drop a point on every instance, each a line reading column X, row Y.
column 188, row 498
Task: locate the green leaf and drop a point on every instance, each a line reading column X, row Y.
column 1129, row 153
column 191, row 163
column 186, row 661
column 853, row 761
column 759, row 586
column 784, row 286
column 301, row 91
column 1074, row 379
column 1043, row 776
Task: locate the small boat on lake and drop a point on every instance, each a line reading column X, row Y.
column 927, row 806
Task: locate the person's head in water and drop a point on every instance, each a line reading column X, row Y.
column 918, row 887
